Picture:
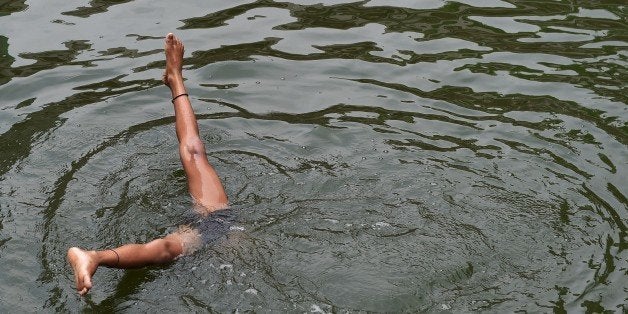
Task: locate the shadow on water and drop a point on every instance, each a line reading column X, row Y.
column 449, row 21
column 130, row 283
column 16, row 143
column 95, row 7
column 5, row 61
column 48, row 60
column 8, row 7
column 495, row 103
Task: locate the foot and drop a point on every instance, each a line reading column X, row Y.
column 174, row 60
column 84, row 265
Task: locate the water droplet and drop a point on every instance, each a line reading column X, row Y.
column 381, row 224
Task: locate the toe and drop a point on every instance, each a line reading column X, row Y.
column 87, row 282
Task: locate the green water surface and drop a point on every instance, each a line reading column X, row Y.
column 382, row 155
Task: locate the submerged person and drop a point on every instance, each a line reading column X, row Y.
column 203, row 184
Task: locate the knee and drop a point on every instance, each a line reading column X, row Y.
column 174, row 249
column 171, row 248
column 194, row 146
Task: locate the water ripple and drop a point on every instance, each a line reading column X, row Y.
column 380, row 155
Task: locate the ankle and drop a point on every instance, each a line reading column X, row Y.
column 175, row 78
column 177, row 88
column 105, row 257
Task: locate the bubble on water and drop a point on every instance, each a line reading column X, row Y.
column 251, row 291
column 381, row 224
column 316, row 309
column 225, row 266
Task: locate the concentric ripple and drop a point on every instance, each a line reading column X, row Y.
column 384, row 156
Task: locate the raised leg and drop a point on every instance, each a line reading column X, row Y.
column 203, row 182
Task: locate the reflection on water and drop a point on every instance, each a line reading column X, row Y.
column 381, row 155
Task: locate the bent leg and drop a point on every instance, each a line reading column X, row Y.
column 159, row 251
column 203, row 182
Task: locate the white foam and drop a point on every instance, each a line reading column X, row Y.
column 226, row 266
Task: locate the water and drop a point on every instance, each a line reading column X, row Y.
column 381, row 155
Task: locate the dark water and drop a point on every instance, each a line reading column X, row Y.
column 384, row 155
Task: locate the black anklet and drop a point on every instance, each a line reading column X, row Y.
column 178, row 97
column 118, row 256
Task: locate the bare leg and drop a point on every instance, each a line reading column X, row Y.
column 203, row 183
column 85, row 263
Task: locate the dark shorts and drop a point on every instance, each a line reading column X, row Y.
column 214, row 226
